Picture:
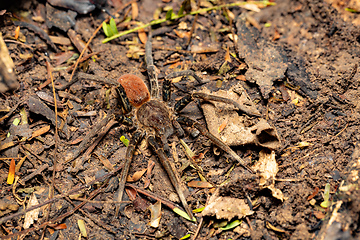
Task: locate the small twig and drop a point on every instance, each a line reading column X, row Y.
column 33, row 174
column 17, row 42
column 60, row 196
column 99, row 138
column 93, row 132
column 12, row 110
column 86, row 47
column 92, row 195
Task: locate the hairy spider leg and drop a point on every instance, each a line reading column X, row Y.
column 138, row 135
column 183, row 102
column 151, row 69
column 174, row 180
column 191, row 123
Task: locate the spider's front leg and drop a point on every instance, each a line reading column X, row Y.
column 174, row 180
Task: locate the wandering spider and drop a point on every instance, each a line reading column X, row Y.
column 156, row 121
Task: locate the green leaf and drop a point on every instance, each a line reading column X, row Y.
column 186, row 236
column 231, row 225
column 169, row 14
column 124, row 141
column 326, row 203
column 183, row 214
column 351, row 10
column 198, row 210
column 16, row 121
column 106, row 29
column 113, row 27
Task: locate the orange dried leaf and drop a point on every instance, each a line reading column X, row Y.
column 11, row 175
column 40, row 131
column 76, row 141
column 319, row 215
column 200, row 184
column 241, row 78
column 142, row 35
column 60, row 226
column 175, row 65
column 131, row 193
column 223, row 125
column 316, row 190
column 134, row 10
column 137, row 175
column 17, row 32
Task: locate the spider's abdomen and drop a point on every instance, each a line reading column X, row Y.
column 155, row 114
column 135, row 89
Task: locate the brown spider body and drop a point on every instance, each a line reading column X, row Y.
column 151, row 113
column 156, row 115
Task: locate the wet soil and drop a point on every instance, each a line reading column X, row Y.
column 314, row 107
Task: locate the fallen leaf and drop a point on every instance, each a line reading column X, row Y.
column 267, row 168
column 40, row 131
column 142, row 35
column 11, row 174
column 319, row 215
column 155, row 210
column 32, row 215
column 223, row 125
column 200, row 184
column 82, row 228
column 272, row 227
column 137, row 175
column 134, row 10
column 226, row 207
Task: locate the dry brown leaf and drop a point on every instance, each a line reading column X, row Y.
column 267, row 168
column 11, row 174
column 137, row 175
column 32, row 215
column 40, row 131
column 200, row 184
column 134, row 10
column 272, row 227
column 223, row 125
column 227, row 55
column 155, row 210
column 17, row 31
column 142, row 35
column 226, row 207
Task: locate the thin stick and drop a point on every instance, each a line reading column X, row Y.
column 86, row 46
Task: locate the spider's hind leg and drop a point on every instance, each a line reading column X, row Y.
column 191, row 123
column 138, row 135
column 174, row 180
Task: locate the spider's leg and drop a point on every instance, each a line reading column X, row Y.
column 191, row 123
column 208, row 97
column 174, row 180
column 151, row 69
column 166, row 90
column 184, row 73
column 138, row 135
column 183, row 102
column 125, row 103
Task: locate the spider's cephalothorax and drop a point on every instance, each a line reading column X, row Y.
column 157, row 121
